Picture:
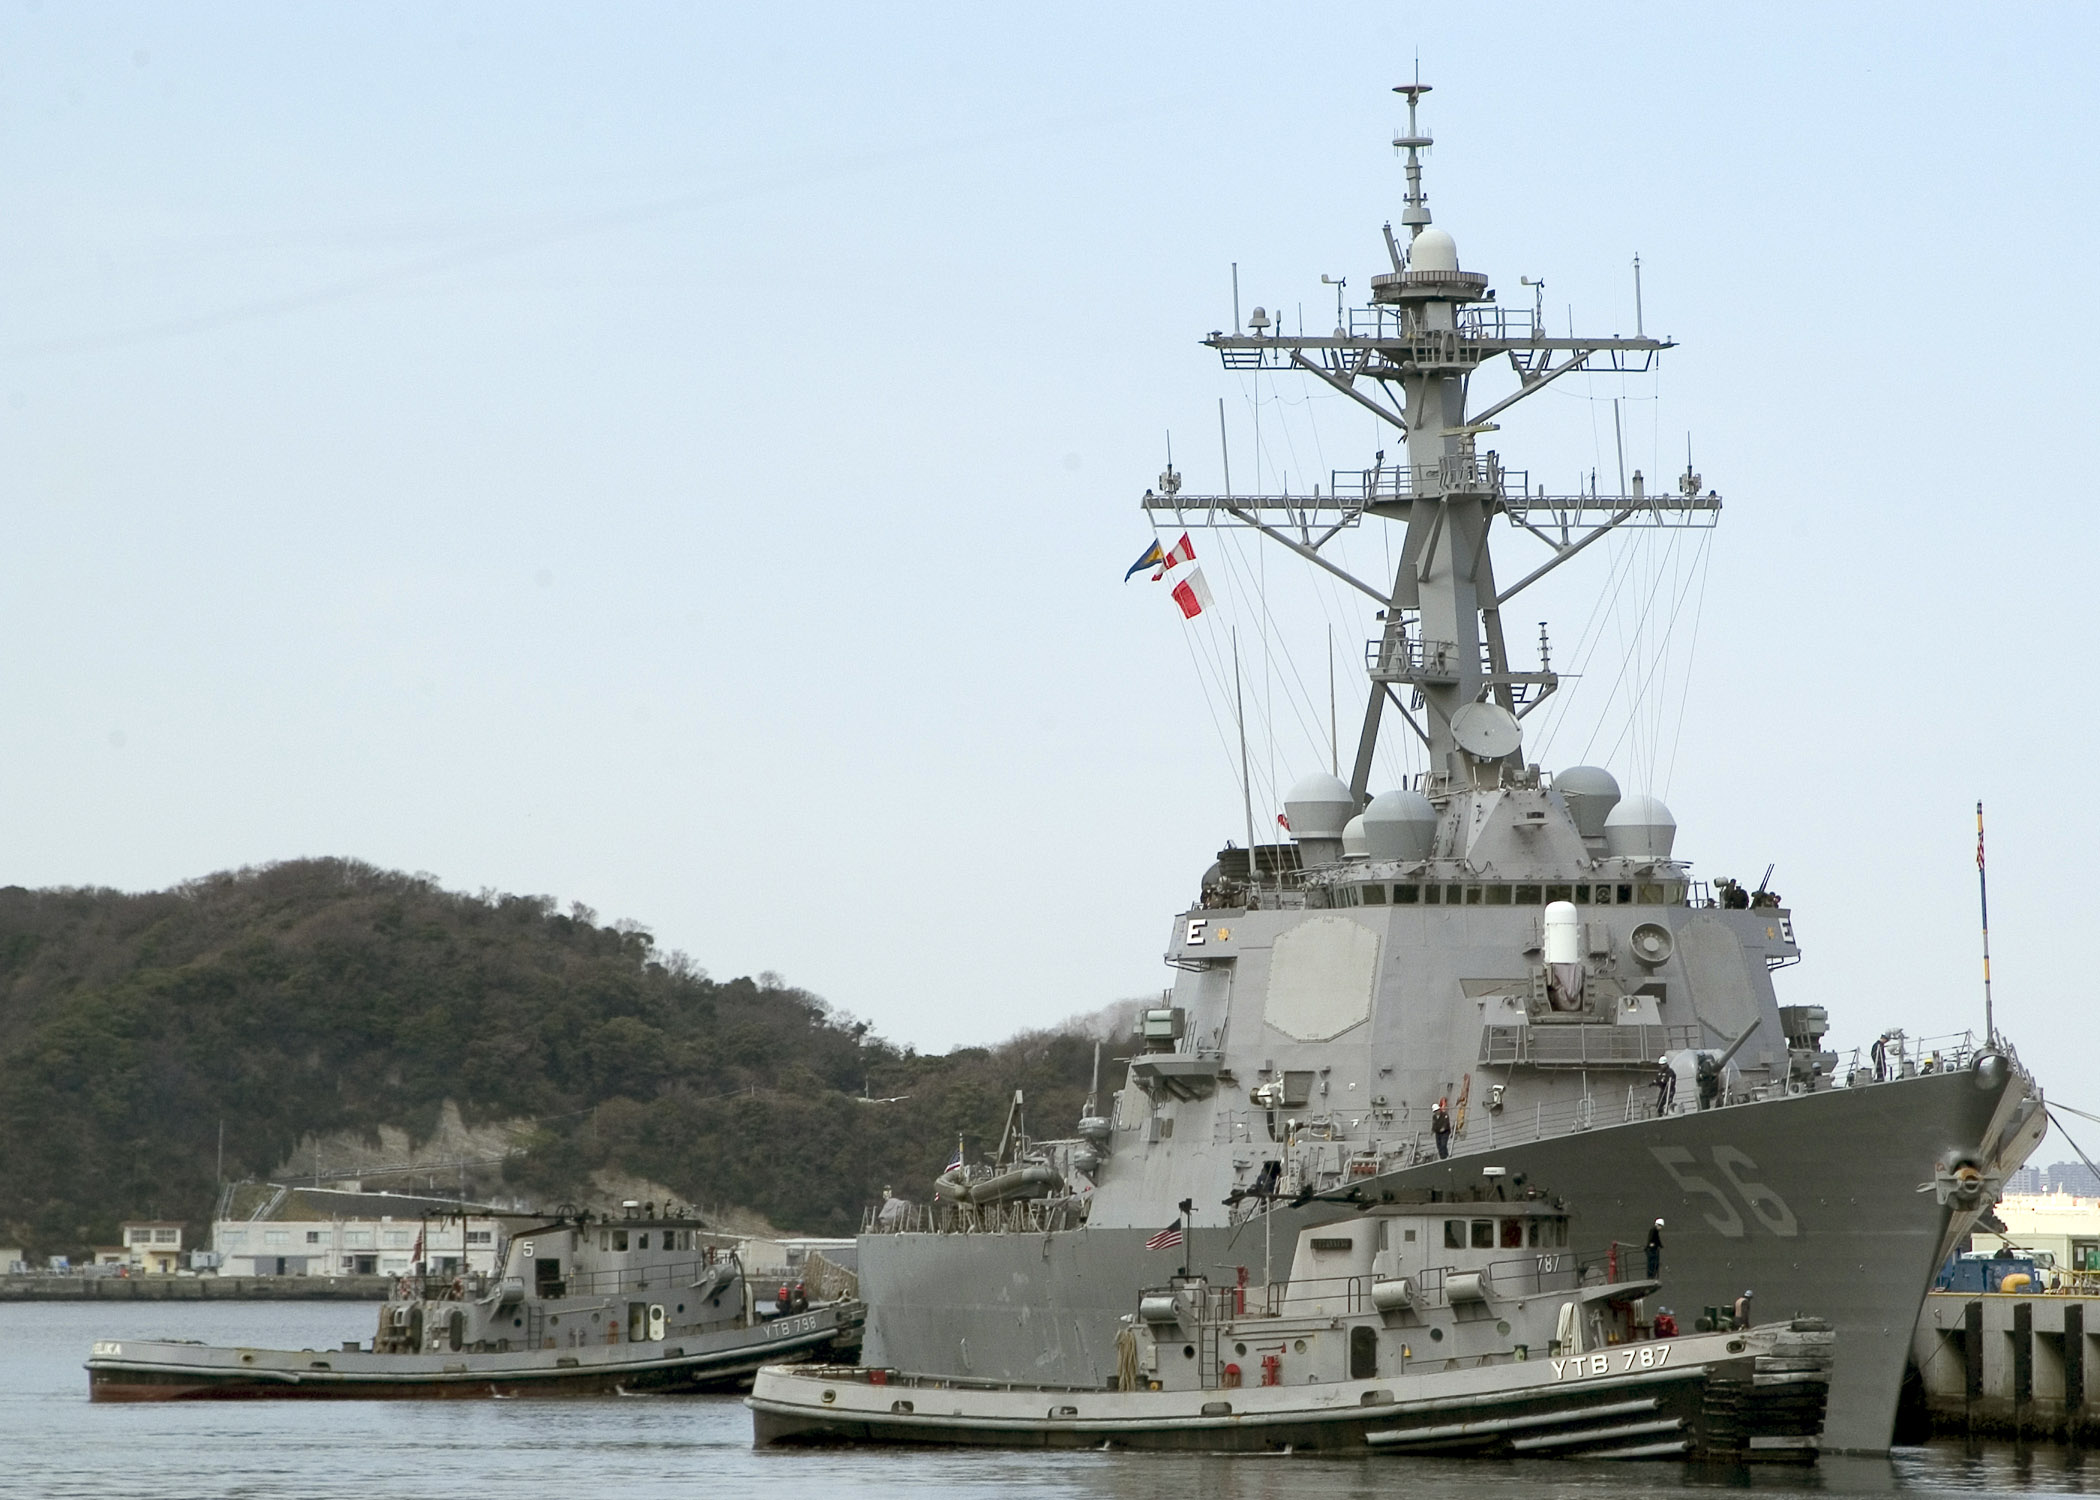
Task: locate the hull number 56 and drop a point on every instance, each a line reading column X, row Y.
column 1766, row 1206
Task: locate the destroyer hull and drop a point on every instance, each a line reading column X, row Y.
column 127, row 1370
column 1812, row 1204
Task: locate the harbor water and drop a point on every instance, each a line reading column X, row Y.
column 53, row 1443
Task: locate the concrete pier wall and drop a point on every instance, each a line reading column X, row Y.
column 194, row 1288
column 2014, row 1364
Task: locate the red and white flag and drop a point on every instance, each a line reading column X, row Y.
column 1182, row 551
column 1191, row 593
column 1167, row 1238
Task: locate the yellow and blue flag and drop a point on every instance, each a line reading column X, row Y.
column 1183, row 551
column 1153, row 558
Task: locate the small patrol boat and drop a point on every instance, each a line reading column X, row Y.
column 1446, row 1328
column 579, row 1305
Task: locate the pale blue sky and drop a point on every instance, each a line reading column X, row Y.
column 684, row 459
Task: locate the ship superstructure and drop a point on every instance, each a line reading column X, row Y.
column 1490, row 969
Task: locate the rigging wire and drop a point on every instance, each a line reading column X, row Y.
column 1691, row 659
column 1641, row 689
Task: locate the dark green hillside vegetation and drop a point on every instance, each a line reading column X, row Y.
column 324, row 995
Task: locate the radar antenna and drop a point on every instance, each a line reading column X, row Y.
column 1409, row 358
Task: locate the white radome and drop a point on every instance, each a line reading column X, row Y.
column 1433, row 250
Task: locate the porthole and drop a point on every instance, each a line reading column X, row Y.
column 1240, row 1349
column 1188, row 1351
column 1502, row 1327
column 1436, row 1335
column 1299, row 1346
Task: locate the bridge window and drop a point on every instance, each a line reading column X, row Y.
column 1512, row 1234
column 1406, row 895
column 1527, row 895
column 1374, row 895
column 1497, row 895
column 1454, row 1234
column 1483, row 1234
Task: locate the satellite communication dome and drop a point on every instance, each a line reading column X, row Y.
column 1399, row 825
column 1433, row 250
column 1353, row 843
column 1318, row 807
column 1640, row 828
column 1591, row 792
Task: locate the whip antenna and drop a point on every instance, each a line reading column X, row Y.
column 1983, row 902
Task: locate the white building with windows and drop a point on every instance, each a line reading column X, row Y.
column 2061, row 1230
column 270, row 1229
column 154, row 1246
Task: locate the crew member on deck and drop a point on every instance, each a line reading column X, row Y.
column 1655, row 1250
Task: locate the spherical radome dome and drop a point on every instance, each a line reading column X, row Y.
column 1640, row 828
column 1591, row 792
column 1399, row 825
column 1353, row 843
column 1318, row 807
column 1433, row 250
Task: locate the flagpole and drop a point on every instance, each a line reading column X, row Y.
column 1983, row 901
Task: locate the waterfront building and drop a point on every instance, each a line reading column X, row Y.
column 272, row 1229
column 153, row 1246
column 2064, row 1227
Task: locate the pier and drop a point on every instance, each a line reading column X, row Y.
column 103, row 1288
column 2020, row 1364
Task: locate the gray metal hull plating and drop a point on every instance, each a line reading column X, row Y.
column 1811, row 1203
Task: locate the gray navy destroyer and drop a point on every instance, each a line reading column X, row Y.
column 1492, row 970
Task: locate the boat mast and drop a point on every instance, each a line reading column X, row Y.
column 1440, row 660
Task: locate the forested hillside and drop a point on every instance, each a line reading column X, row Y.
column 324, row 995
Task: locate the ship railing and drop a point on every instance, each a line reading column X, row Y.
column 1480, row 321
column 1462, row 473
column 1539, row 1273
column 1352, row 1293
column 1034, row 1216
column 1905, row 1056
column 1347, row 1159
column 454, row 1286
column 666, row 1277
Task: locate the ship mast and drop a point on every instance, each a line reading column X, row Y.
column 1441, row 661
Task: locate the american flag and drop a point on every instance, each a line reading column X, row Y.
column 1167, row 1238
